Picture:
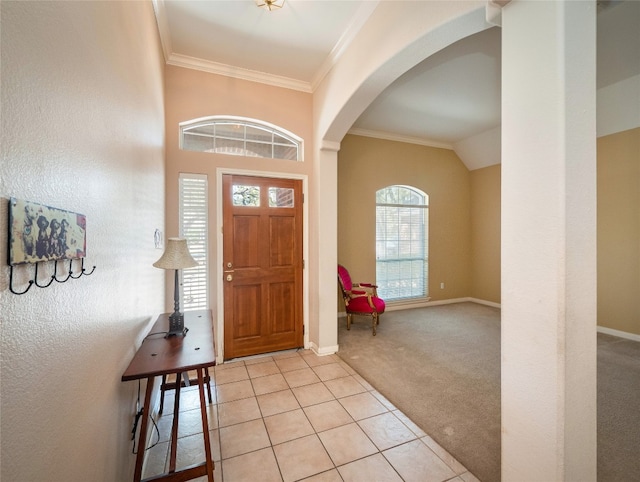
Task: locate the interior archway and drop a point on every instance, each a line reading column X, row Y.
column 413, row 32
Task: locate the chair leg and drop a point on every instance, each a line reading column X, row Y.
column 374, row 322
column 348, row 321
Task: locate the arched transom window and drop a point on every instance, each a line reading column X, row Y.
column 241, row 137
column 402, row 247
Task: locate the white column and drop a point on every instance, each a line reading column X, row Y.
column 323, row 320
column 548, row 241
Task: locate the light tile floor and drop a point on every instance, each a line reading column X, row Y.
column 297, row 416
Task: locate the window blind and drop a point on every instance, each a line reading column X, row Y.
column 194, row 227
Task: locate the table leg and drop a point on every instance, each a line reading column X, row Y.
column 174, row 427
column 205, row 427
column 142, row 438
column 162, row 384
column 206, row 374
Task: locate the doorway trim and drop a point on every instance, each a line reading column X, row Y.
column 221, row 171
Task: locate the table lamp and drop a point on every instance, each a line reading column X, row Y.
column 176, row 256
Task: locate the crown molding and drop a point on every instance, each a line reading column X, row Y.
column 179, row 60
column 357, row 22
column 214, row 67
column 163, row 27
column 399, row 138
column 237, row 72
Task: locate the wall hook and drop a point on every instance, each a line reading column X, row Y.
column 60, row 280
column 85, row 272
column 71, row 271
column 56, row 278
column 35, row 277
column 11, row 284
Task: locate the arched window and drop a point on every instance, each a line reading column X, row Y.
column 402, row 246
column 239, row 136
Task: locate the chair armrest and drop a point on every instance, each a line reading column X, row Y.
column 370, row 287
column 369, row 294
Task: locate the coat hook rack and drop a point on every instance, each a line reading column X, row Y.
column 39, row 234
column 54, row 277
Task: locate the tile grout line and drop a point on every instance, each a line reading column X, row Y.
column 389, row 408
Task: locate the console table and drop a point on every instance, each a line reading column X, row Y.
column 160, row 356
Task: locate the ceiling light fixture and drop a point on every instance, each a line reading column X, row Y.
column 270, row 4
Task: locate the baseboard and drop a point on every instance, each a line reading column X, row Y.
column 618, row 333
column 424, row 304
column 485, row 302
column 451, row 301
column 327, row 350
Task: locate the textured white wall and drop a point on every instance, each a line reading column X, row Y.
column 82, row 130
column 548, row 266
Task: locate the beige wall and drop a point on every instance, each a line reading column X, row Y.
column 366, row 165
column 619, row 231
column 485, row 233
column 191, row 94
column 82, row 130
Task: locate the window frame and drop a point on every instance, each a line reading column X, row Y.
column 245, row 122
column 380, row 280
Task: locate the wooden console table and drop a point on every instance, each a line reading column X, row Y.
column 160, row 356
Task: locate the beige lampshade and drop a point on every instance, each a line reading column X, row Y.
column 176, row 255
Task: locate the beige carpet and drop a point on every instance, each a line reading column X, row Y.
column 441, row 366
column 618, row 409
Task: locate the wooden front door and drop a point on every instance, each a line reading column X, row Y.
column 262, row 261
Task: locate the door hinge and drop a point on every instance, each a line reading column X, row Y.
column 304, row 264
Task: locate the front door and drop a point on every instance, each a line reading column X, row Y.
column 262, row 261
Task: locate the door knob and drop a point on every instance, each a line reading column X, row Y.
column 229, row 277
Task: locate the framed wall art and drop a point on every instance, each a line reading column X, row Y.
column 44, row 233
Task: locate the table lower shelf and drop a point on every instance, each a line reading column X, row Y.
column 169, row 382
column 184, row 474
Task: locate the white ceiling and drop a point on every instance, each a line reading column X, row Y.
column 450, row 100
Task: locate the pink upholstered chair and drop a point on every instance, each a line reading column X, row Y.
column 360, row 298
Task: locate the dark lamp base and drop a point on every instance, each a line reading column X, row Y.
column 176, row 325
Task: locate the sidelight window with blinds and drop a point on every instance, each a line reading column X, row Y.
column 193, row 202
